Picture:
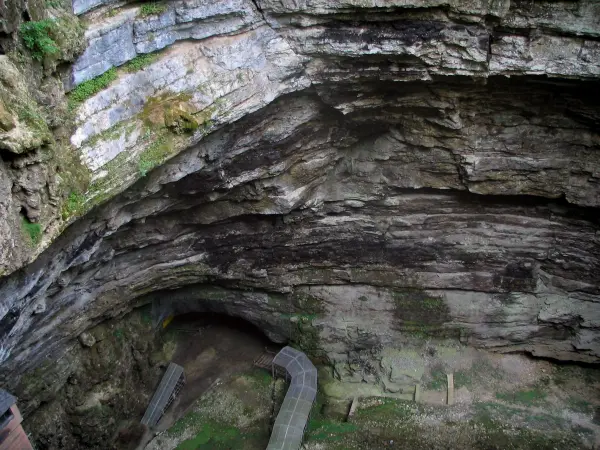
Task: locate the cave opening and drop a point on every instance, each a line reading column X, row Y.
column 212, row 348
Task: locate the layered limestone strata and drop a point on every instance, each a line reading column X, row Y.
column 221, row 61
column 349, row 176
column 297, row 195
column 114, row 39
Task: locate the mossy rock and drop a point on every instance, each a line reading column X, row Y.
column 179, row 118
column 418, row 311
column 173, row 112
column 24, row 127
column 53, row 40
column 7, row 121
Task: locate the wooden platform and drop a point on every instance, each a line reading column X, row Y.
column 265, row 361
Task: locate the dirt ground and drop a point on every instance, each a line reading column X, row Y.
column 502, row 401
column 212, row 349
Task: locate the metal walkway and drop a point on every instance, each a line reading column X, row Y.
column 171, row 384
column 291, row 421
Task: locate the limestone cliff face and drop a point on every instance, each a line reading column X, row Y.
column 349, row 175
column 38, row 168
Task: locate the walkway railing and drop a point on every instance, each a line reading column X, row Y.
column 291, row 421
column 172, row 382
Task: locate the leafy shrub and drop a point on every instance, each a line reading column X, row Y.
column 36, row 36
column 91, row 87
column 149, row 9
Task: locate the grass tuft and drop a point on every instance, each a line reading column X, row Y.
column 153, row 8
column 33, row 230
column 139, row 62
column 73, row 205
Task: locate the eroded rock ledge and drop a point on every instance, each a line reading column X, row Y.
column 300, row 195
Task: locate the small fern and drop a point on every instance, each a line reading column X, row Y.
column 36, row 36
column 91, row 87
column 139, row 62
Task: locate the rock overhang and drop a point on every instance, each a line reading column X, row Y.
column 338, row 152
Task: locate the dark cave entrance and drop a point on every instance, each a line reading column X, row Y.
column 193, row 321
column 212, row 348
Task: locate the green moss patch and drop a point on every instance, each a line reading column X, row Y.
column 73, row 205
column 385, row 409
column 235, row 415
column 462, row 378
column 152, row 8
column 529, row 397
column 323, row 428
column 32, row 230
column 388, row 423
column 155, row 154
column 259, row 377
column 305, row 337
column 140, row 61
column 438, row 380
column 213, row 435
column 329, row 430
column 415, row 306
column 174, row 112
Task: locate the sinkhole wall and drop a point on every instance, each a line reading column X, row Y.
column 351, row 176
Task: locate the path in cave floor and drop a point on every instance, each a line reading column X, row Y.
column 211, row 349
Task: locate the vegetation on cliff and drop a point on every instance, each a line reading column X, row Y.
column 37, row 38
column 91, row 87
